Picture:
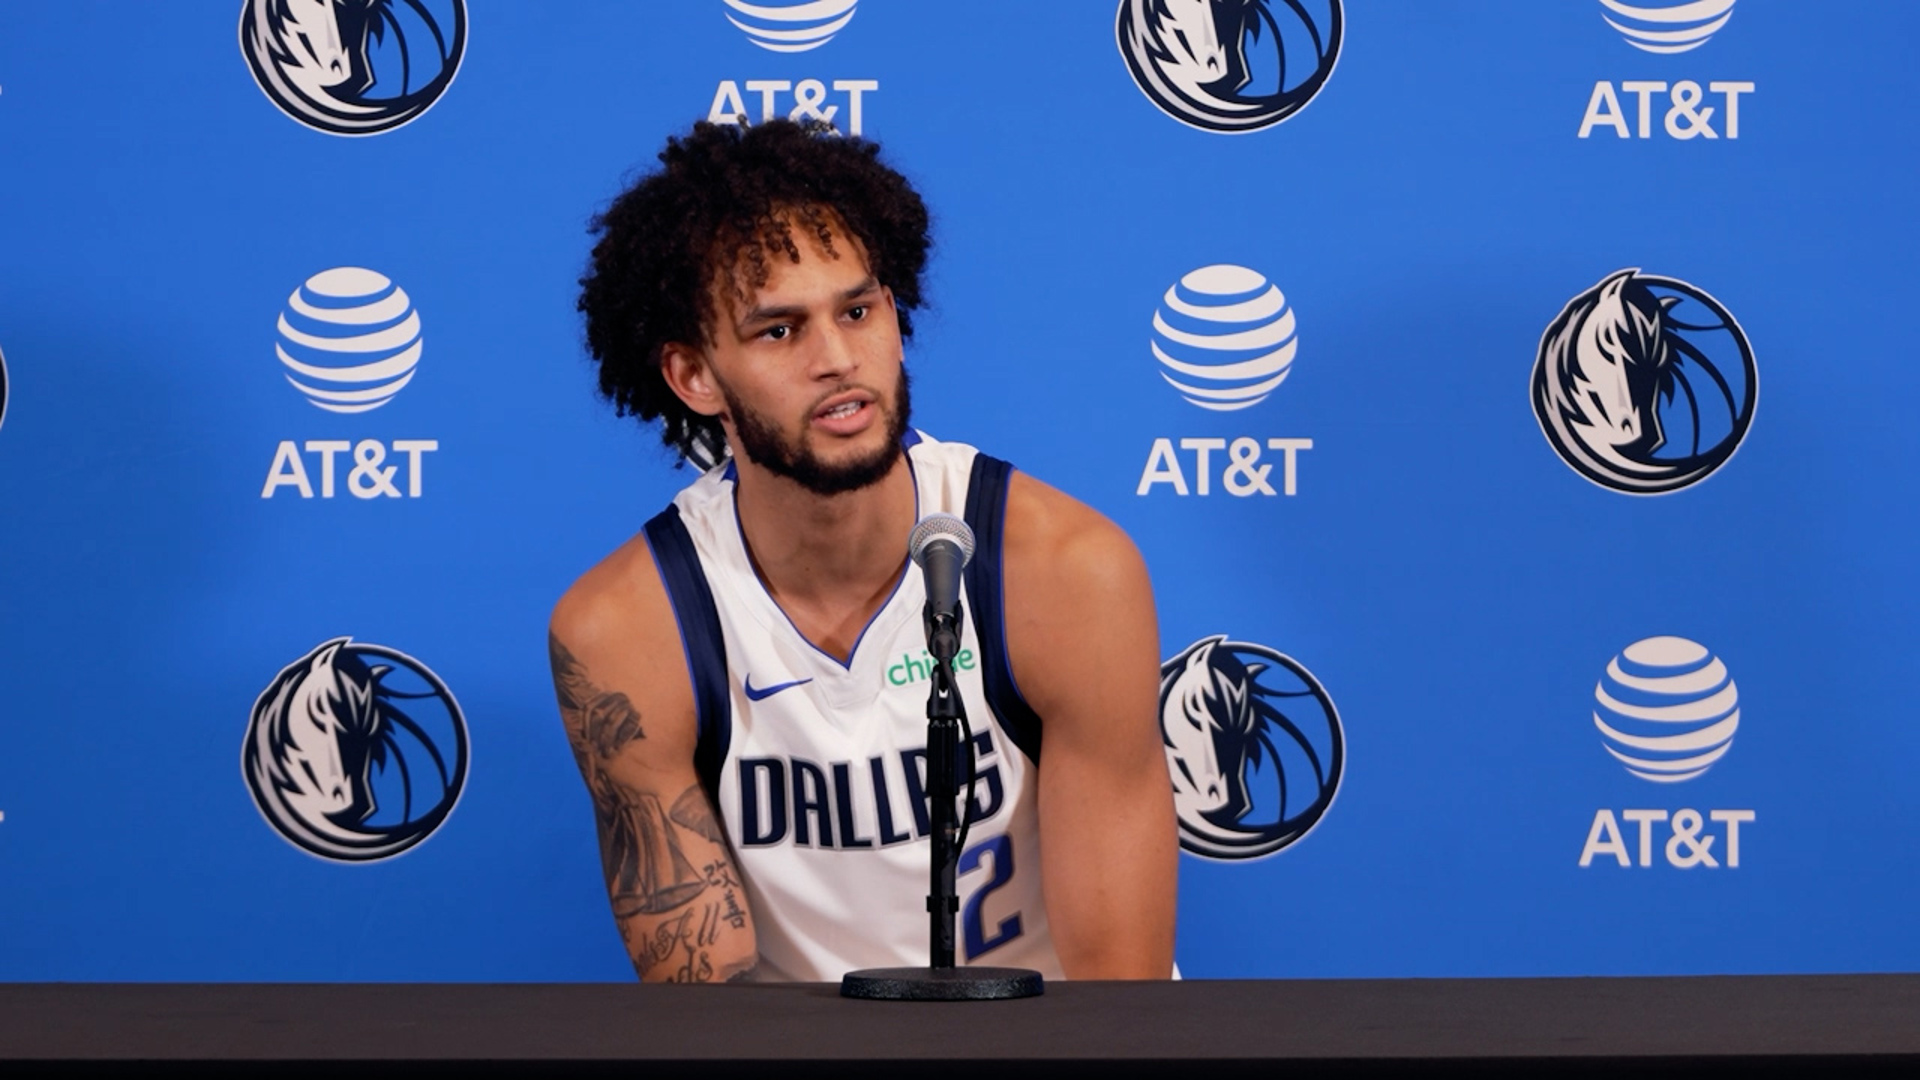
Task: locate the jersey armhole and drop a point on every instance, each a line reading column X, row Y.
column 701, row 642
column 986, row 515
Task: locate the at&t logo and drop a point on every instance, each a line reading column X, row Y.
column 349, row 340
column 1245, row 347
column 355, row 752
column 357, row 339
column 1230, row 66
column 808, row 99
column 1667, row 709
column 1644, row 384
column 1687, row 112
column 1224, row 337
column 354, row 67
column 1254, row 747
column 791, row 27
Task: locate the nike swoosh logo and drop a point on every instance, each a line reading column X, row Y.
column 768, row 691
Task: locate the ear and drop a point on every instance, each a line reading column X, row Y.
column 689, row 377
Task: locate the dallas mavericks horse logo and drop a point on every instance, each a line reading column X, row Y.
column 1254, row 747
column 1644, row 384
column 354, row 67
column 340, row 768
column 1230, row 65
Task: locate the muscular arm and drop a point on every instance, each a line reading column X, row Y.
column 676, row 896
column 1085, row 646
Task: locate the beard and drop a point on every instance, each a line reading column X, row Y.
column 762, row 443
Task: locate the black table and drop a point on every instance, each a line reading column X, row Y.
column 1206, row 1029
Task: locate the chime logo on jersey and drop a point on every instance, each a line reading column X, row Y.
column 1230, row 66
column 1254, row 747
column 791, row 27
column 355, row 752
column 1667, row 26
column 1224, row 337
column 1644, row 384
column 349, row 339
column 1666, row 708
column 354, row 67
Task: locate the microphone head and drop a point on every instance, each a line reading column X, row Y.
column 936, row 527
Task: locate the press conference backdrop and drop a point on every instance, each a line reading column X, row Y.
column 1513, row 400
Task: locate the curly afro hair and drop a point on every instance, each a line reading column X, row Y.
column 721, row 206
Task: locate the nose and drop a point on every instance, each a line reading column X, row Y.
column 834, row 357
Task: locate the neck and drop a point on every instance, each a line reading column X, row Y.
column 829, row 561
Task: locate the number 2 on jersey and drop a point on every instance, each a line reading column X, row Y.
column 999, row 851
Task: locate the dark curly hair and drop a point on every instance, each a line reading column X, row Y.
column 718, row 209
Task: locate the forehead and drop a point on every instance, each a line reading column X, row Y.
column 767, row 267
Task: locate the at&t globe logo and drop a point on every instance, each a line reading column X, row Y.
column 1225, row 340
column 354, row 67
column 1254, row 747
column 355, row 752
column 1696, row 110
column 1667, row 709
column 791, row 27
column 1224, row 337
column 1644, row 384
column 1230, row 66
column 1667, row 26
column 349, row 339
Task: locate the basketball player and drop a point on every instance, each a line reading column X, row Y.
column 744, row 682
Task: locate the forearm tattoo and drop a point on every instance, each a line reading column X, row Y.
column 647, row 869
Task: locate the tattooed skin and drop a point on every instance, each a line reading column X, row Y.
column 720, row 876
column 646, row 872
column 682, row 946
column 690, row 811
column 643, row 844
column 606, row 722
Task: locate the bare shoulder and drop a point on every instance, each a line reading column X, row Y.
column 1079, row 605
column 614, row 643
column 1064, row 549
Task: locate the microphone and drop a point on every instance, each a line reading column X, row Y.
column 940, row 545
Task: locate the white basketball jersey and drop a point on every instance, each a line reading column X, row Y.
column 817, row 768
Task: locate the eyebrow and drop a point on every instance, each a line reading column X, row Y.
column 765, row 314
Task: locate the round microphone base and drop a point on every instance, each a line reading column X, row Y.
column 942, row 984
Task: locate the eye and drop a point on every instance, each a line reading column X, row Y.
column 777, row 333
column 858, row 312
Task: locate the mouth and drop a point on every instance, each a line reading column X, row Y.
column 845, row 414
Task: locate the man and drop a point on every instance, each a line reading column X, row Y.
column 744, row 683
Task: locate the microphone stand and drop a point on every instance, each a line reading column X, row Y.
column 940, row 980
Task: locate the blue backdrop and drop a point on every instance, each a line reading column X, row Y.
column 1442, row 567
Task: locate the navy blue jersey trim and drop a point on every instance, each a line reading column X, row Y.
column 700, row 640
column 986, row 515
